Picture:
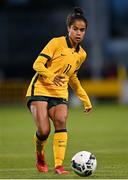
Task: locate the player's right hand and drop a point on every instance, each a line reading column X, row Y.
column 58, row 80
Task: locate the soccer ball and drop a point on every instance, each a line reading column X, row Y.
column 84, row 163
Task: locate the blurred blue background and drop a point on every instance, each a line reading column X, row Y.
column 27, row 25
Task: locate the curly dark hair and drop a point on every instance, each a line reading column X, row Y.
column 77, row 14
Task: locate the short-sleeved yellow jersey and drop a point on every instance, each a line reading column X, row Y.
column 58, row 58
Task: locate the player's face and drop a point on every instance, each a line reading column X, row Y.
column 77, row 31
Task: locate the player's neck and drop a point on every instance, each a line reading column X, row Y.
column 74, row 45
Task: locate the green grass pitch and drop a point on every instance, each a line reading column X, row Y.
column 103, row 132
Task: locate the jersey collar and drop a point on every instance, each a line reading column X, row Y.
column 70, row 46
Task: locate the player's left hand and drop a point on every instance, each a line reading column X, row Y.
column 87, row 110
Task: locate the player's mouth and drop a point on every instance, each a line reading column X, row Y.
column 78, row 39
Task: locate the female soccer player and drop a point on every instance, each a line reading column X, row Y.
column 56, row 67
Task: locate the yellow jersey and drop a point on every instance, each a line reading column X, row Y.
column 58, row 58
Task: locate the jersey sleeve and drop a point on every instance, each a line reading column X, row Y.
column 79, row 91
column 46, row 54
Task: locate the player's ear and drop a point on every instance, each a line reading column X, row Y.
column 68, row 28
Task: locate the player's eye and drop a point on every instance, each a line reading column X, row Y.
column 75, row 29
column 82, row 30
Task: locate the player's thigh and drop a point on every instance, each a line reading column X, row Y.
column 59, row 113
column 39, row 111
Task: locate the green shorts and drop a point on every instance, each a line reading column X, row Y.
column 52, row 101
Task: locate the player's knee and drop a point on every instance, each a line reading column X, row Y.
column 60, row 121
column 44, row 130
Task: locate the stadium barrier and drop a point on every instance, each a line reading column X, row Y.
column 13, row 91
column 103, row 88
